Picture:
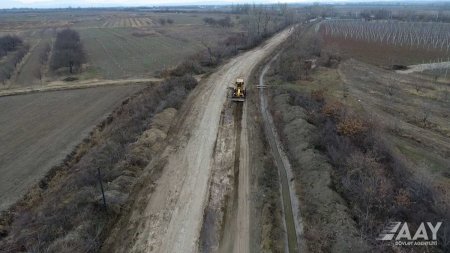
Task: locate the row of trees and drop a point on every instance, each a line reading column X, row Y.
column 17, row 50
column 256, row 23
column 164, row 21
column 224, row 22
column 430, row 35
column 67, row 51
column 410, row 15
column 263, row 21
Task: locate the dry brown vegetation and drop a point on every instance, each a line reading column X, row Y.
column 359, row 177
column 376, row 185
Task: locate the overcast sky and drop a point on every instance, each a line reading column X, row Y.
column 108, row 3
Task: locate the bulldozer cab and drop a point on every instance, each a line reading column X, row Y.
column 240, row 83
column 238, row 93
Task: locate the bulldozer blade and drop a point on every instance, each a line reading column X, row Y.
column 238, row 99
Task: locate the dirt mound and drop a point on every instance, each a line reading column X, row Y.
column 162, row 120
column 152, row 139
column 324, row 211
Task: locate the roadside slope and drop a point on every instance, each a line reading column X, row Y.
column 292, row 217
column 171, row 216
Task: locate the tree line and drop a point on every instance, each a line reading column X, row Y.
column 13, row 50
column 426, row 35
column 224, row 22
column 256, row 23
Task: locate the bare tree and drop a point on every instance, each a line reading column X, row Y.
column 68, row 51
column 209, row 50
column 425, row 112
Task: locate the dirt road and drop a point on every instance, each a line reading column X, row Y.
column 59, row 85
column 39, row 130
column 173, row 213
column 425, row 66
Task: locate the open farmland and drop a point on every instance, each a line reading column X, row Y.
column 140, row 46
column 118, row 44
column 39, row 130
column 386, row 43
column 413, row 109
column 117, row 53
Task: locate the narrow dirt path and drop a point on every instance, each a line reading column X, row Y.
column 242, row 239
column 289, row 200
column 425, row 66
column 59, row 85
column 172, row 216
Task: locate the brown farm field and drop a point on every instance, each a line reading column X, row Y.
column 40, row 129
column 381, row 53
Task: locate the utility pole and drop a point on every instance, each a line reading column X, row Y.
column 101, row 187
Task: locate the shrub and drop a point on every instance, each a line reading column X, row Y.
column 318, row 95
column 375, row 181
column 351, row 126
column 190, row 66
column 333, row 109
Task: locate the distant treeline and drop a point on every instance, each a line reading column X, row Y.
column 435, row 14
column 224, row 22
column 67, row 51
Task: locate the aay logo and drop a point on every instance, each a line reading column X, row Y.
column 403, row 236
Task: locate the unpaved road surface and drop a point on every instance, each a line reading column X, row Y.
column 172, row 216
column 59, row 85
column 425, row 66
column 38, row 130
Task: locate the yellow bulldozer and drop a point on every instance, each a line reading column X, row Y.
column 238, row 91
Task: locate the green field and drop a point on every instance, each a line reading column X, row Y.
column 117, row 44
column 116, row 53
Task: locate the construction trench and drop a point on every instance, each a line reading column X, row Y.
column 220, row 215
column 292, row 219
